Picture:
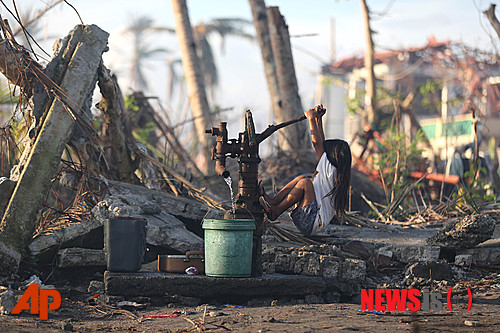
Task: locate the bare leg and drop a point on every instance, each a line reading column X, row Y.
column 301, row 194
column 284, row 191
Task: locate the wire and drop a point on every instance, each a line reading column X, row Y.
column 25, row 31
column 78, row 14
column 384, row 11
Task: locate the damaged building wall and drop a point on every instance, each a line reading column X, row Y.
column 85, row 47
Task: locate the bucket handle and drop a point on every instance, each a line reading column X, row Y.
column 191, row 253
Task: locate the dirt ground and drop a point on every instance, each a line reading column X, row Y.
column 79, row 313
column 76, row 314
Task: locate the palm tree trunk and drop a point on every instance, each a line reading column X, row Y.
column 194, row 79
column 370, row 75
column 294, row 135
column 260, row 22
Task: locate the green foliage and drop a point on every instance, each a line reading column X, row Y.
column 476, row 189
column 355, row 105
column 431, row 92
column 327, row 80
column 384, row 101
column 397, row 161
column 430, row 87
column 130, row 105
column 97, row 124
column 142, row 134
column 6, row 94
column 19, row 127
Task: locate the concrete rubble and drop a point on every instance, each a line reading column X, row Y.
column 8, row 300
column 48, row 244
column 9, row 259
column 165, row 230
column 183, row 208
column 337, row 271
column 464, row 260
column 78, row 257
column 465, row 233
column 430, row 270
column 324, row 260
column 483, row 255
column 308, row 274
column 96, row 287
column 78, row 57
column 411, row 253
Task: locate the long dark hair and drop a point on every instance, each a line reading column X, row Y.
column 339, row 155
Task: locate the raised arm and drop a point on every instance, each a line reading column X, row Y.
column 319, row 119
column 316, row 135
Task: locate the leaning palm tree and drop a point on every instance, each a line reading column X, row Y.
column 141, row 27
column 197, row 59
column 223, row 27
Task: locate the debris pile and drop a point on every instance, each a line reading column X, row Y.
column 465, row 233
column 325, row 260
column 8, row 300
column 430, row 270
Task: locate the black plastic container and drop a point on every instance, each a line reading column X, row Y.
column 124, row 243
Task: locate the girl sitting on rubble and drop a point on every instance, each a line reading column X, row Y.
column 319, row 199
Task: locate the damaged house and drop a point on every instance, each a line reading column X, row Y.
column 447, row 87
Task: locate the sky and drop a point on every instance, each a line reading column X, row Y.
column 406, row 23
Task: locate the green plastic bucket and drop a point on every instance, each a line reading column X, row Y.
column 228, row 247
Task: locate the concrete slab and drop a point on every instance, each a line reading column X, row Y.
column 484, row 255
column 78, row 257
column 8, row 301
column 9, row 259
column 412, row 253
column 226, row 290
column 399, row 236
column 408, row 245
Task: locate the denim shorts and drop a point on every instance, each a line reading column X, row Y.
column 304, row 217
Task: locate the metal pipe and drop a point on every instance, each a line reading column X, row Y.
column 220, row 167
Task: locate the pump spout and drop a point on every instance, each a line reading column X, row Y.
column 222, row 147
column 220, row 167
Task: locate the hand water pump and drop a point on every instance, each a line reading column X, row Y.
column 246, row 149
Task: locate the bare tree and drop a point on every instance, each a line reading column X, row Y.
column 490, row 14
column 370, row 75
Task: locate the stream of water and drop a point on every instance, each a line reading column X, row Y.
column 229, row 183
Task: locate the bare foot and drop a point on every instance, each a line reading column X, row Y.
column 267, row 208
